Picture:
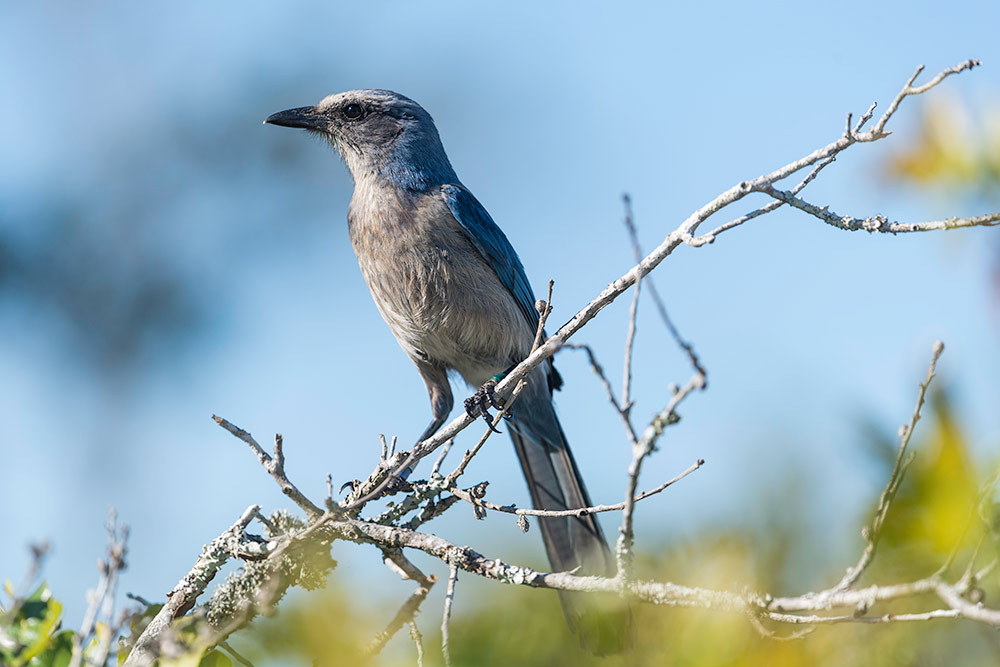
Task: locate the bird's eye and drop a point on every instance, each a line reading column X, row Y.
column 353, row 111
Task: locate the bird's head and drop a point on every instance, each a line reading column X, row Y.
column 380, row 134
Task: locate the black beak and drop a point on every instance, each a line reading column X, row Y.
column 304, row 117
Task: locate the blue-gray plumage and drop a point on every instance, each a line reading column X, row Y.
column 455, row 295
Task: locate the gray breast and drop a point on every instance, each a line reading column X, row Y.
column 441, row 299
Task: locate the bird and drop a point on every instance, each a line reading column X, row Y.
column 455, row 295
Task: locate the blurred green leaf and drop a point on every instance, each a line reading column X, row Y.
column 935, row 506
column 215, row 658
column 198, row 658
column 33, row 625
column 58, row 653
column 950, row 150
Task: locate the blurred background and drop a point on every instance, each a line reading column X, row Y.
column 164, row 257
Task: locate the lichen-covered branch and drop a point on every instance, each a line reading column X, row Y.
column 187, row 590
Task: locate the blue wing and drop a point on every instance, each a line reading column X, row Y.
column 494, row 247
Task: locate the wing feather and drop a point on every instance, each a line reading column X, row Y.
column 493, row 245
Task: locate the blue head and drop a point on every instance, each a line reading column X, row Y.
column 380, row 134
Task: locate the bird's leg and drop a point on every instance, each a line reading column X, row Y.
column 439, row 391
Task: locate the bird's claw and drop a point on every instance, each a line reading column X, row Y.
column 352, row 485
column 479, row 404
column 397, row 484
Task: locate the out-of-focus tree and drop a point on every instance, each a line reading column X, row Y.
column 953, row 151
column 121, row 260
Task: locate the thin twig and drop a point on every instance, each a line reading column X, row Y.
column 909, row 89
column 449, row 598
column 432, row 509
column 408, row 611
column 873, row 531
column 983, row 573
column 274, row 466
column 599, row 370
column 236, row 655
column 709, row 237
column 102, row 600
column 877, row 223
column 660, row 306
column 632, row 313
column 418, row 641
column 642, row 449
column 470, row 497
column 440, row 459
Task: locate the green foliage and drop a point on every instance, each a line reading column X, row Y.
column 328, row 628
column 28, row 630
column 30, row 635
column 200, row 658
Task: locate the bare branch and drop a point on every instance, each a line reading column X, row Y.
column 408, row 611
column 449, row 598
column 102, row 600
column 471, row 498
column 878, row 223
column 599, row 370
column 633, row 311
column 431, row 510
column 767, row 208
column 664, row 593
column 418, row 641
column 544, row 309
column 966, row 609
column 274, row 466
column 874, row 530
column 192, row 585
column 909, row 89
column 660, row 307
column 440, row 459
column 642, row 449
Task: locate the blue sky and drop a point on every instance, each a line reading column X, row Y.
column 548, row 113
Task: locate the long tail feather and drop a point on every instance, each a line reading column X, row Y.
column 603, row 625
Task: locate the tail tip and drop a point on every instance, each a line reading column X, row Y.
column 606, row 632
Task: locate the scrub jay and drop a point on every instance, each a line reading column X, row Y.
column 454, row 293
